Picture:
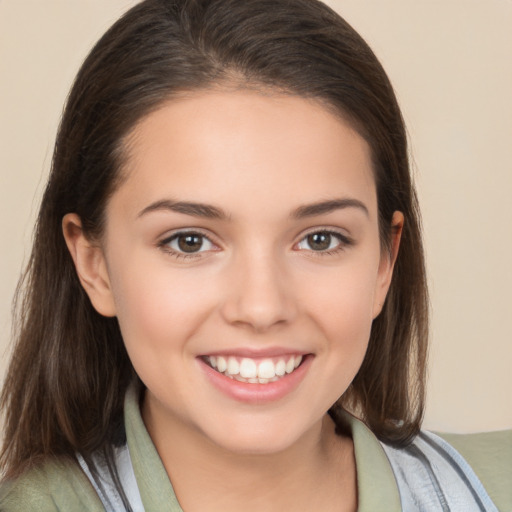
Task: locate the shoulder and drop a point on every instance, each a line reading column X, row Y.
column 490, row 456
column 54, row 486
column 432, row 471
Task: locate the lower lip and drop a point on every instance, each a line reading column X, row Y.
column 257, row 393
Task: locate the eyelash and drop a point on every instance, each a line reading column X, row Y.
column 343, row 242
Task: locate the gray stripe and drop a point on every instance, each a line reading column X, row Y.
column 460, row 472
column 416, row 452
column 96, row 483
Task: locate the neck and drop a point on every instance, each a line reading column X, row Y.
column 315, row 473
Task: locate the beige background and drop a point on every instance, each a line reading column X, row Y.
column 451, row 63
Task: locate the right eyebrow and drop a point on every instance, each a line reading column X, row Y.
column 188, row 208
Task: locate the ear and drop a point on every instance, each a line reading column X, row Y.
column 387, row 263
column 90, row 265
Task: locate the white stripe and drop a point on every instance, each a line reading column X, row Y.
column 110, row 498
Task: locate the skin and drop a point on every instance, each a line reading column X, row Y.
column 256, row 283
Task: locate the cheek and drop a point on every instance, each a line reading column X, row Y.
column 342, row 307
column 158, row 309
column 343, row 300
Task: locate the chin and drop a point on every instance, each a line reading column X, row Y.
column 257, row 438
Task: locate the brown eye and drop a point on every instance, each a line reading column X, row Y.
column 324, row 242
column 319, row 241
column 190, row 242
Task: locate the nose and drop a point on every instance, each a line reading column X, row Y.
column 259, row 294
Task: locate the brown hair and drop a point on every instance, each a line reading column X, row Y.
column 64, row 390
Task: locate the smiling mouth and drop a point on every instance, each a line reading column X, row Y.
column 254, row 371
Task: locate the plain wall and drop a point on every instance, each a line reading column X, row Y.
column 451, row 64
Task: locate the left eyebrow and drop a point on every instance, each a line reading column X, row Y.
column 324, row 207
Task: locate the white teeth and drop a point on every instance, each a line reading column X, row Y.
column 248, row 368
column 221, row 364
column 280, row 367
column 233, row 366
column 266, row 369
column 254, row 371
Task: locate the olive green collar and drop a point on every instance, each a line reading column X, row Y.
column 376, row 484
column 375, row 481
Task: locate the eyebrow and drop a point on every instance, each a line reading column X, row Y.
column 188, row 208
column 331, row 205
column 213, row 212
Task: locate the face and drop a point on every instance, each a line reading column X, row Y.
column 242, row 258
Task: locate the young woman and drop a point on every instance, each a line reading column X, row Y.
column 225, row 307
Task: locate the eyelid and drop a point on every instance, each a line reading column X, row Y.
column 185, row 231
column 326, row 229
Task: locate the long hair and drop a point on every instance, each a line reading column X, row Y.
column 69, row 372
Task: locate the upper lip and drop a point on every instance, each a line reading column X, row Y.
column 256, row 353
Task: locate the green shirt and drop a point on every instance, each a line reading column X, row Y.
column 62, row 486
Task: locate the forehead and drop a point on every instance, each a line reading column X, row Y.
column 243, row 146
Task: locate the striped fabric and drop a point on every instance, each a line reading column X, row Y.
column 430, row 474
